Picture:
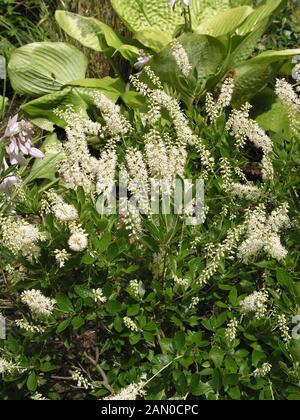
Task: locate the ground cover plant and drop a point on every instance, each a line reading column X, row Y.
column 149, row 219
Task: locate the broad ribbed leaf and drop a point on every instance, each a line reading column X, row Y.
column 246, row 47
column 206, row 55
column 225, row 22
column 144, row 14
column 259, row 14
column 254, row 74
column 204, row 9
column 41, row 110
column 44, row 67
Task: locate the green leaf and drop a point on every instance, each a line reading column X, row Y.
column 32, row 382
column 78, row 322
column 152, row 38
column 203, row 9
column 46, row 167
column 133, row 310
column 64, row 303
column 83, row 292
column 94, row 34
column 104, row 241
column 225, row 22
column 44, row 67
column 63, row 326
column 217, row 356
column 41, row 110
column 259, row 14
column 254, row 74
column 139, row 15
column 206, row 55
column 197, row 387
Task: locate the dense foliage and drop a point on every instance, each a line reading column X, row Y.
column 109, row 299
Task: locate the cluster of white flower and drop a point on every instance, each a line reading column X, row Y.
column 262, row 371
column 78, row 167
column 9, row 367
column 23, row 324
column 257, row 303
column 179, row 281
column 99, row 295
column 231, row 330
column 131, row 392
column 283, row 326
column 242, row 127
column 181, row 57
column 106, row 172
column 62, row 211
column 194, row 302
column 81, row 381
column 134, row 287
column 116, row 123
column 78, row 240
column 159, row 99
column 38, row 304
column 138, row 178
column 130, row 324
column 61, row 256
column 263, row 233
column 130, row 216
column 247, row 191
column 164, row 160
column 287, row 95
column 228, row 246
column 214, row 109
column 19, row 236
column 38, row 397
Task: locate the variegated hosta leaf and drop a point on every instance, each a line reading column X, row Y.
column 94, row 34
column 43, row 67
column 144, row 14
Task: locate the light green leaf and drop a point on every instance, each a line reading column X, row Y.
column 225, row 22
column 90, row 32
column 47, row 166
column 246, row 47
column 94, row 34
column 259, row 14
column 44, row 67
column 139, row 15
column 153, row 38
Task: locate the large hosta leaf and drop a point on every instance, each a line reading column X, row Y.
column 152, row 38
column 225, row 22
column 143, row 14
column 254, row 74
column 94, row 34
column 41, row 110
column 259, row 14
column 44, row 67
column 206, row 56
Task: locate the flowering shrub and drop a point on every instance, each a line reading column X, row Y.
column 109, row 294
